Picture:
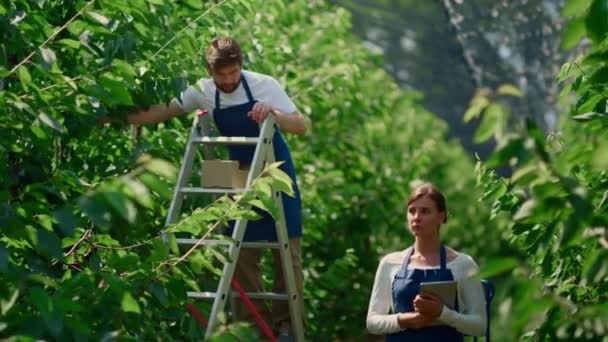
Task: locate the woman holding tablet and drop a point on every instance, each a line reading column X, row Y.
column 396, row 307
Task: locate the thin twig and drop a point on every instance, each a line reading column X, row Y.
column 185, row 28
column 100, row 69
column 199, row 241
column 51, row 37
column 196, row 244
column 160, row 235
column 84, row 236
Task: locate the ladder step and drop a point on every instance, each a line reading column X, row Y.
column 198, row 190
column 251, row 295
column 209, row 242
column 226, row 140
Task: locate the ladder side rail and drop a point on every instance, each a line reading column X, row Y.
column 204, row 122
column 266, row 133
column 287, row 264
column 227, row 273
column 183, row 177
column 265, row 140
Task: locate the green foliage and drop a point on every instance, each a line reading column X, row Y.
column 83, row 206
column 552, row 208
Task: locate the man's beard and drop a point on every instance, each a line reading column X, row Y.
column 228, row 88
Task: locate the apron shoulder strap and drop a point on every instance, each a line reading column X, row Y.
column 408, row 255
column 217, row 98
column 246, row 86
column 442, row 257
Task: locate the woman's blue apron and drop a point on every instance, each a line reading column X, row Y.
column 233, row 121
column 406, row 286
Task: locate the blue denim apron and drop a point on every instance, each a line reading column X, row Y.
column 406, row 286
column 233, row 121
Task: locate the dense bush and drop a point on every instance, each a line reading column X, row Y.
column 553, row 207
column 84, row 206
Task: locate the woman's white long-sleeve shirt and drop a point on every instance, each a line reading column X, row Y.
column 469, row 320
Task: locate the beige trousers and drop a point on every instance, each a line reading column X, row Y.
column 248, row 273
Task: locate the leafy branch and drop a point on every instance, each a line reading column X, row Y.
column 26, row 59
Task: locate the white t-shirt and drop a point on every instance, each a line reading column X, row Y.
column 470, row 319
column 263, row 88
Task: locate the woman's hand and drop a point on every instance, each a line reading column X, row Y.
column 428, row 305
column 414, row 320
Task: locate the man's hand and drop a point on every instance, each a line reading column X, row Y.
column 428, row 305
column 260, row 111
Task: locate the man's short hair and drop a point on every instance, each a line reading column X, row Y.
column 223, row 51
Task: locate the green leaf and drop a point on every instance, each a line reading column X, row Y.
column 38, row 132
column 526, row 210
column 507, row 148
column 495, row 267
column 139, row 193
column 259, row 204
column 525, row 175
column 600, row 157
column 6, row 305
column 122, row 205
column 124, row 69
column 46, row 221
column 41, row 300
column 93, row 207
column 263, row 186
column 160, row 293
column 509, row 89
column 602, row 202
column 596, row 22
column 51, row 122
column 117, row 90
column 574, row 32
column 478, row 104
column 282, row 181
column 103, row 20
column 573, row 228
column 538, row 137
column 274, row 165
column 589, row 116
column 285, row 187
column 195, row 4
column 198, row 262
column 490, row 124
column 155, row 184
column 66, row 220
column 48, row 244
column 48, row 57
column 129, row 304
column 71, row 43
column 588, row 102
column 141, row 29
column 4, row 253
column 42, row 279
column 159, row 167
column 595, row 266
column 575, row 7
column 24, row 76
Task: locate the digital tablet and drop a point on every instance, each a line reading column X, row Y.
column 446, row 290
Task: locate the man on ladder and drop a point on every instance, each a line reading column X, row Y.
column 239, row 101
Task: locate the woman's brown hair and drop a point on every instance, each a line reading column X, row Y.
column 434, row 194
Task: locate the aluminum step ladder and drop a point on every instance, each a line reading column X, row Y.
column 264, row 153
